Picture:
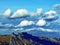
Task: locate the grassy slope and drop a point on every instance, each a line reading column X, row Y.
column 5, row 38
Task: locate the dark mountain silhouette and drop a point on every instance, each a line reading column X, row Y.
column 27, row 39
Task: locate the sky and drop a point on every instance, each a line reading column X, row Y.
column 41, row 16
column 31, row 5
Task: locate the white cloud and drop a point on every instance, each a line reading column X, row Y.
column 41, row 22
column 57, row 8
column 24, row 12
column 48, row 30
column 40, row 29
column 26, row 23
column 39, row 11
column 7, row 13
column 51, row 14
column 20, row 13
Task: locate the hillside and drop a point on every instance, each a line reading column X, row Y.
column 27, row 39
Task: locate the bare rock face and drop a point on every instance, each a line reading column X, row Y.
column 27, row 39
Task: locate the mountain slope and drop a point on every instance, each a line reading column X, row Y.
column 27, row 39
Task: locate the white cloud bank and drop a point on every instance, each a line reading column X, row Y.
column 20, row 13
column 25, row 23
column 24, row 12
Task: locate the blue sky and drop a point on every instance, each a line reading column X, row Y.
column 31, row 5
column 27, row 15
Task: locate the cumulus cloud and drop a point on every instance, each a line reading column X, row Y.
column 50, row 14
column 41, row 22
column 25, row 23
column 24, row 12
column 57, row 8
column 7, row 13
column 20, row 13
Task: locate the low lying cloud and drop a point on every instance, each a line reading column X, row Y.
column 25, row 23
column 40, row 29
